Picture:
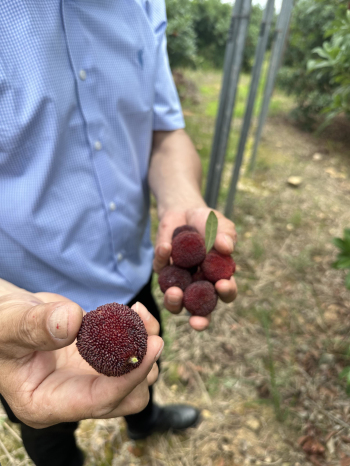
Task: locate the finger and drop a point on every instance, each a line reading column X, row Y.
column 200, row 323
column 7, row 287
column 173, row 299
column 108, row 392
column 166, row 228
column 153, row 375
column 151, row 324
column 226, row 236
column 227, row 290
column 51, row 297
column 161, row 256
column 44, row 327
column 135, row 402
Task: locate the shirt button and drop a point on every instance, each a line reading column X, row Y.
column 120, row 256
column 98, row 145
column 82, row 75
column 112, row 206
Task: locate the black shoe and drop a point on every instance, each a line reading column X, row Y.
column 173, row 418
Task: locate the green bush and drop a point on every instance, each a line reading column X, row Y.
column 334, row 61
column 211, row 20
column 313, row 89
column 181, row 35
column 343, row 263
column 343, row 259
column 197, row 33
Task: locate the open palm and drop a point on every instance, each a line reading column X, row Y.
column 225, row 240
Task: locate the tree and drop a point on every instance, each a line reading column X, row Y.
column 334, row 61
column 311, row 19
column 181, row 35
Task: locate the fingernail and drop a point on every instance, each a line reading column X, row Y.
column 146, row 315
column 135, row 307
column 159, row 352
column 229, row 242
column 164, row 250
column 173, row 300
column 58, row 322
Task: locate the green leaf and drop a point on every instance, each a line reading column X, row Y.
column 339, row 243
column 211, row 228
column 347, row 281
column 347, row 234
column 343, row 245
column 343, row 262
column 344, row 373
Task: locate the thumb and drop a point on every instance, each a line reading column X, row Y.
column 44, row 327
column 167, row 225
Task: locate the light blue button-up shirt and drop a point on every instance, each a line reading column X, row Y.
column 83, row 84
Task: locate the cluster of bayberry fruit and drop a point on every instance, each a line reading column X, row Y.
column 195, row 271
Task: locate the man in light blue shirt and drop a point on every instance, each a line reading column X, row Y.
column 89, row 121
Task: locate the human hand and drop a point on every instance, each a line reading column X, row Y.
column 225, row 240
column 43, row 377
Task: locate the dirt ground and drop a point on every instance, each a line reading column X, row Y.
column 266, row 373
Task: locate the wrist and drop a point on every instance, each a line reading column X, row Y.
column 180, row 206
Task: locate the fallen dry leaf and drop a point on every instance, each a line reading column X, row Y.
column 311, row 445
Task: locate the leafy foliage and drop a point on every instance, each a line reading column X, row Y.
column 197, row 33
column 181, row 35
column 313, row 89
column 310, row 21
column 345, row 374
column 211, row 20
column 334, row 61
column 343, row 259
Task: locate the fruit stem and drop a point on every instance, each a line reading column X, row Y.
column 133, row 360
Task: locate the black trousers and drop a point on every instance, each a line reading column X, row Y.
column 55, row 445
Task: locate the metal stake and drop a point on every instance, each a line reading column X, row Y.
column 256, row 72
column 232, row 67
column 276, row 56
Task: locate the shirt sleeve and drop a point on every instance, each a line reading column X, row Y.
column 166, row 108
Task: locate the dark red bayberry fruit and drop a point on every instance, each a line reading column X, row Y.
column 198, row 276
column 183, row 228
column 174, row 276
column 112, row 339
column 193, row 270
column 200, row 298
column 188, row 249
column 217, row 266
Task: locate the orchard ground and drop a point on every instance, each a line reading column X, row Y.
column 266, row 373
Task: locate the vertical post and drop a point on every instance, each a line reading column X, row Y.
column 256, row 72
column 233, row 62
column 276, row 56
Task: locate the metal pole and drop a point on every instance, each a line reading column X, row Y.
column 258, row 61
column 229, row 53
column 276, row 55
column 233, row 61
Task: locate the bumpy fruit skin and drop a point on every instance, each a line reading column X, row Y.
column 200, row 298
column 174, row 276
column 217, row 266
column 112, row 339
column 188, row 249
column 183, row 228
